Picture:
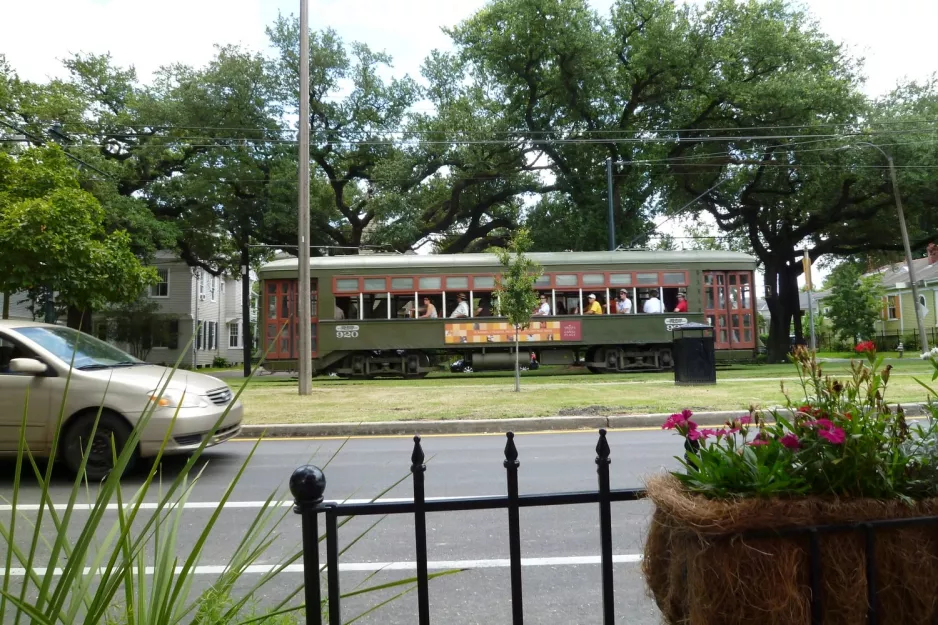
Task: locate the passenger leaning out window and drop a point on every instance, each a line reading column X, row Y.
column 462, row 308
column 653, row 305
column 543, row 308
column 681, row 304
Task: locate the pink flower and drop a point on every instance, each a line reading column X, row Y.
column 790, row 441
column 687, row 414
column 673, row 421
column 745, row 420
column 696, row 435
column 824, row 423
column 758, row 442
column 691, row 424
column 835, row 435
column 708, row 433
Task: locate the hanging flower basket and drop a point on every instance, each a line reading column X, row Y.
column 725, row 548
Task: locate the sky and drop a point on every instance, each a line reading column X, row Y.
column 895, row 38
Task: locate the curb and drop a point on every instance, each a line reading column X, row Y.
column 497, row 426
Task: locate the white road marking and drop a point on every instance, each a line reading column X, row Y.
column 211, row 505
column 348, row 567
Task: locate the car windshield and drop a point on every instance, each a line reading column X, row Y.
column 89, row 352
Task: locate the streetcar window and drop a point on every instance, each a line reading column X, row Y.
column 646, row 278
column 542, row 282
column 594, row 279
column 402, row 306
column 670, row 299
column 402, row 284
column 620, row 279
column 346, row 285
column 565, row 280
column 643, row 296
column 456, row 283
column 346, row 308
column 483, row 283
column 484, row 305
column 376, row 306
column 567, row 302
column 431, row 283
column 673, row 278
column 376, row 284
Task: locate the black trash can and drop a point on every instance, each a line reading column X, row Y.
column 694, row 354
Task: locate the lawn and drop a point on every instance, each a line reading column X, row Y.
column 547, row 392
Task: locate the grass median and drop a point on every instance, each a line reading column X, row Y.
column 547, row 392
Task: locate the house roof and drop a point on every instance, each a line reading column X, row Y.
column 897, row 275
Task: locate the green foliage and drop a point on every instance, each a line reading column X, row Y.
column 842, row 439
column 517, row 298
column 52, row 236
column 139, row 325
column 855, row 302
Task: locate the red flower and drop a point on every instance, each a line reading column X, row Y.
column 790, row 441
column 745, row 420
column 696, row 435
column 673, row 421
column 834, row 435
column 824, row 423
column 866, row 347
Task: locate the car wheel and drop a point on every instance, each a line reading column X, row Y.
column 467, row 369
column 100, row 460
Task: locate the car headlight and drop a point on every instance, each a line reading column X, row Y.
column 176, row 399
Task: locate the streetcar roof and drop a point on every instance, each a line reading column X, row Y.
column 599, row 259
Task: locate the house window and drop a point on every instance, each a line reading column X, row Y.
column 234, row 334
column 161, row 288
column 212, row 338
column 214, row 285
column 891, row 307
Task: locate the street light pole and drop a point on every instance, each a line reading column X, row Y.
column 304, row 348
column 905, row 244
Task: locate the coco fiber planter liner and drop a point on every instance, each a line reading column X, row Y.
column 701, row 574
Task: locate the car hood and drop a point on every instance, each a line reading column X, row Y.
column 150, row 377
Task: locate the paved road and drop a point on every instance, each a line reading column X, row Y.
column 559, row 586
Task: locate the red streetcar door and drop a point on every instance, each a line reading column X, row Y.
column 728, row 306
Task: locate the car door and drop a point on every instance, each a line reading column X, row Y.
column 14, row 390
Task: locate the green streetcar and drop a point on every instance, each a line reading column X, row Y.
column 393, row 314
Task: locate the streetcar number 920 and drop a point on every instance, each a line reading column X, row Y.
column 346, row 332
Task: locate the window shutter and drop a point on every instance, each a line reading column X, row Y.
column 173, row 342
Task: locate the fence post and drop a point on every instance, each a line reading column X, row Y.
column 332, row 561
column 307, row 484
column 514, row 530
column 605, row 527
column 418, row 468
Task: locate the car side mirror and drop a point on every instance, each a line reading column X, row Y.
column 29, row 366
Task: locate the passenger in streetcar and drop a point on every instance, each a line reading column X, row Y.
column 681, row 304
column 543, row 309
column 429, row 308
column 462, row 308
column 653, row 305
column 623, row 304
column 593, row 307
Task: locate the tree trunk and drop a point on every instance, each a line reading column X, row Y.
column 517, row 363
column 79, row 319
column 6, row 305
column 783, row 304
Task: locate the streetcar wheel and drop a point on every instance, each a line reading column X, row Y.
column 596, row 370
column 467, row 369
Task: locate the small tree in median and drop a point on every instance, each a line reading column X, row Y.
column 515, row 289
column 855, row 302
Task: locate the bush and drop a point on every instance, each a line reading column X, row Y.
column 840, row 439
column 220, row 363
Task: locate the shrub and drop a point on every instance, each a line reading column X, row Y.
column 840, row 439
column 220, row 363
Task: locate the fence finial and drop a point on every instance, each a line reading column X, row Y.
column 417, row 458
column 602, row 448
column 307, row 484
column 511, row 452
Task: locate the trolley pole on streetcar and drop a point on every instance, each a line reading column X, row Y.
column 305, row 348
column 612, row 218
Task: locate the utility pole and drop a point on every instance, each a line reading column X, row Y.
column 905, row 242
column 612, row 219
column 248, row 345
column 305, row 346
column 809, row 285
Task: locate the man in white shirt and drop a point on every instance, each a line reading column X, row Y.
column 543, row 309
column 462, row 308
column 652, row 305
column 623, row 304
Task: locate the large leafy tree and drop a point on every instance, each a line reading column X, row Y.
column 52, row 237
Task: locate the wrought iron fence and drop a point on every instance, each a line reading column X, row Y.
column 308, row 485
